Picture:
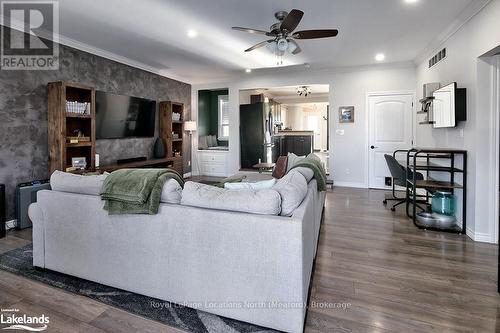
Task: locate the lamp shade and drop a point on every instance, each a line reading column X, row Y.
column 190, row 126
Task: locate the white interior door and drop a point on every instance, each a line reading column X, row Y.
column 390, row 128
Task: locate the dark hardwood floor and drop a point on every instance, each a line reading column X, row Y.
column 375, row 272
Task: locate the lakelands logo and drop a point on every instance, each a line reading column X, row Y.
column 29, row 36
column 12, row 320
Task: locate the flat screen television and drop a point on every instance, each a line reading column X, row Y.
column 119, row 116
column 449, row 106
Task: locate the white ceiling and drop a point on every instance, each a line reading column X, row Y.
column 152, row 33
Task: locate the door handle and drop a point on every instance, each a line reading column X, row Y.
column 373, row 147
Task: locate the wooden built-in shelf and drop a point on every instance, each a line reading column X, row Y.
column 79, row 144
column 78, row 115
column 158, row 163
column 169, row 126
column 63, row 124
column 434, row 184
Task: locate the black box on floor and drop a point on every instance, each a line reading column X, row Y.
column 25, row 196
column 2, row 210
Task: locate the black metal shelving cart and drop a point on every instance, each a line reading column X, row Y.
column 426, row 160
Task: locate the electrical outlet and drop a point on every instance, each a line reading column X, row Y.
column 461, row 132
column 347, row 171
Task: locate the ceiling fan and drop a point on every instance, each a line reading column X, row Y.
column 283, row 35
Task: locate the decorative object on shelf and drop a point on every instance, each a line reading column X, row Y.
column 190, row 126
column 443, row 202
column 175, row 136
column 77, row 139
column 77, row 107
column 346, row 114
column 176, row 116
column 159, row 148
column 436, row 221
column 80, row 163
column 304, row 91
column 97, row 161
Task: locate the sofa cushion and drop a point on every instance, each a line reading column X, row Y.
column 264, row 202
column 262, row 185
column 171, row 192
column 292, row 189
column 306, row 172
column 69, row 182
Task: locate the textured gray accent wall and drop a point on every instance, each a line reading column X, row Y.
column 23, row 113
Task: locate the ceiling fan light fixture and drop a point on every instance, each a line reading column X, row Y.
column 291, row 47
column 271, row 47
column 282, row 44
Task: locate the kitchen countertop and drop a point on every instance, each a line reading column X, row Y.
column 295, row 133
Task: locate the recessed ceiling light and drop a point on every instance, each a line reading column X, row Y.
column 192, row 33
column 411, row 1
column 248, row 70
column 380, row 57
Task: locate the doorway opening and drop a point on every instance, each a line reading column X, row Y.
column 276, row 121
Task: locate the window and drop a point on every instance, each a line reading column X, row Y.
column 223, row 117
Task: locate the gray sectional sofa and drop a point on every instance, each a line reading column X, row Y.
column 254, row 267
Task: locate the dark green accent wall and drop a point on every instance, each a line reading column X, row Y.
column 208, row 115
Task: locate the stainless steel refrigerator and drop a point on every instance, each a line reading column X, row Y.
column 256, row 129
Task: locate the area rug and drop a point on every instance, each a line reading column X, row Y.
column 19, row 261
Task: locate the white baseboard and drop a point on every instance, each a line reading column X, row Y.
column 480, row 237
column 349, row 184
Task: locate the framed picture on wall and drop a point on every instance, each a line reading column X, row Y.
column 346, row 114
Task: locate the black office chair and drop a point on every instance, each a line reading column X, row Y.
column 398, row 173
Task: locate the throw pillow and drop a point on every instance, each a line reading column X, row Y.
column 171, row 192
column 280, row 168
column 262, row 185
column 292, row 189
column 202, row 142
column 292, row 159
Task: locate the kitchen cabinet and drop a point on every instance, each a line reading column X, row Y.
column 300, row 145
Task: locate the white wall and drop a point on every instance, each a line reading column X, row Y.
column 463, row 65
column 347, row 87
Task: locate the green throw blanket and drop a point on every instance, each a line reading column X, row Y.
column 317, row 167
column 136, row 191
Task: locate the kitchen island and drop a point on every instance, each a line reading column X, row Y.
column 300, row 143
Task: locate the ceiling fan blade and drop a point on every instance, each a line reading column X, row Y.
column 297, row 49
column 261, row 44
column 313, row 34
column 252, row 31
column 292, row 20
